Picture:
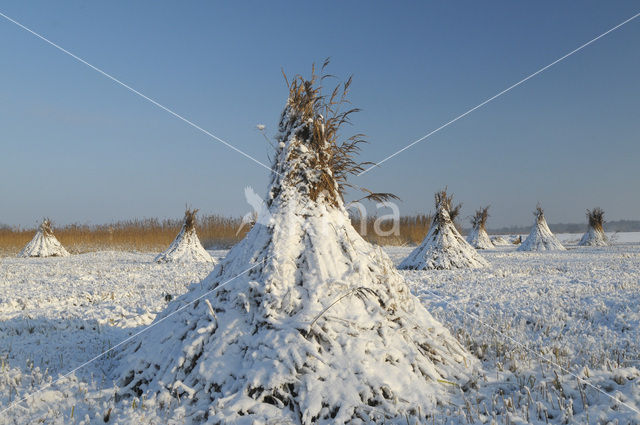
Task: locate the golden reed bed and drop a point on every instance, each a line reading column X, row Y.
column 151, row 235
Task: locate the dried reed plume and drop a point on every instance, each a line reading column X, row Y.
column 539, row 213
column 190, row 219
column 444, row 202
column 479, row 220
column 46, row 227
column 454, row 212
column 323, row 117
column 596, row 218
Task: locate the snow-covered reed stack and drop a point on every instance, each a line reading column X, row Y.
column 499, row 241
column 303, row 322
column 541, row 238
column 595, row 235
column 443, row 247
column 478, row 237
column 44, row 243
column 186, row 247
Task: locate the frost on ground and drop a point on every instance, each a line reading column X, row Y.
column 57, row 313
column 577, row 308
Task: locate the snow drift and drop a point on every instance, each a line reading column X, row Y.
column 186, row 247
column 594, row 236
column 44, row 243
column 443, row 247
column 303, row 322
column 541, row 238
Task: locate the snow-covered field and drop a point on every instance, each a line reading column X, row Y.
column 536, row 320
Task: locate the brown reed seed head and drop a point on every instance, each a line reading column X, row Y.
column 479, row 220
column 317, row 119
column 45, row 227
column 596, row 218
column 454, row 212
column 539, row 213
column 444, row 203
column 190, row 219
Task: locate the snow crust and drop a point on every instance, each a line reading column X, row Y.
column 541, row 238
column 443, row 248
column 57, row 313
column 575, row 307
column 43, row 245
column 185, row 248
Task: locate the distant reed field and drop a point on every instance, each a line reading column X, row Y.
column 214, row 231
column 147, row 235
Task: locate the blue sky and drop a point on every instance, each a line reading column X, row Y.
column 77, row 147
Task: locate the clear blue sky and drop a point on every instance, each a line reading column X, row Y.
column 79, row 148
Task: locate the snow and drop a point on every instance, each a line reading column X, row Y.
column 577, row 308
column 57, row 313
column 623, row 237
